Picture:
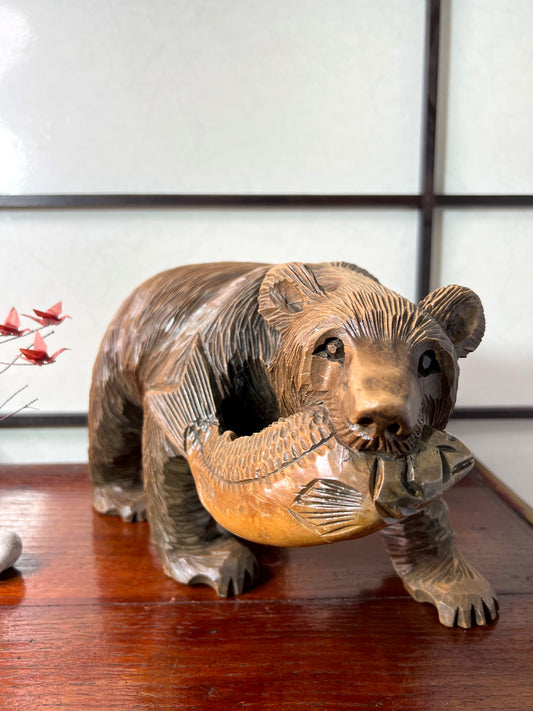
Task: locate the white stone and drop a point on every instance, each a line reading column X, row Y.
column 10, row 548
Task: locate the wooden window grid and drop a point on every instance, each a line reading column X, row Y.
column 426, row 202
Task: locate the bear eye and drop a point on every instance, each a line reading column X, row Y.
column 428, row 364
column 332, row 349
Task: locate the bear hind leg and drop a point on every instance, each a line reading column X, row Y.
column 115, row 431
column 432, row 570
column 190, row 546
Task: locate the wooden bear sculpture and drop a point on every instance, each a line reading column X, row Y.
column 293, row 405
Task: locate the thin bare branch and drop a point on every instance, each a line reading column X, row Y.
column 15, row 412
column 12, row 396
column 21, row 335
column 8, row 365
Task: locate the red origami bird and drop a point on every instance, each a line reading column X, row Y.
column 50, row 317
column 11, row 326
column 39, row 353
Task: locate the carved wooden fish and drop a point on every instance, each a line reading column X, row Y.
column 293, row 483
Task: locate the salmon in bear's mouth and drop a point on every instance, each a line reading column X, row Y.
column 403, row 485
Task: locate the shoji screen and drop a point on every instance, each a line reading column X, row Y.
column 138, row 136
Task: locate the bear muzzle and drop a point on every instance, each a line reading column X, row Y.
column 381, row 402
column 385, row 421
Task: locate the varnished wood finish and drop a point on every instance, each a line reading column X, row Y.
column 189, row 384
column 90, row 621
column 293, row 405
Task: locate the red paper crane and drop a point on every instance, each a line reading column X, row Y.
column 11, row 326
column 38, row 355
column 50, row 317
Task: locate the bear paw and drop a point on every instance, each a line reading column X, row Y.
column 461, row 595
column 224, row 564
column 126, row 501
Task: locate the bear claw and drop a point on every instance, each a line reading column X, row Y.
column 224, row 564
column 482, row 612
column 128, row 502
column 462, row 596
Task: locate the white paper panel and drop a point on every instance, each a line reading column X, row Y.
column 43, row 445
column 492, row 253
column 92, row 260
column 487, row 118
column 210, row 96
column 504, row 447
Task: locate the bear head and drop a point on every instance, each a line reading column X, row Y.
column 383, row 367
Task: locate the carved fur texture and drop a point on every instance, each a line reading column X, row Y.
column 201, row 362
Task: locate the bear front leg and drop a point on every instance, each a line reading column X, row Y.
column 432, row 570
column 190, row 546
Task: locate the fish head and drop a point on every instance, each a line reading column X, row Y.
column 401, row 486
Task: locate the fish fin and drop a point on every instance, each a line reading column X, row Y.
column 190, row 404
column 328, row 506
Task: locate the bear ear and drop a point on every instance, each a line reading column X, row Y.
column 286, row 290
column 460, row 313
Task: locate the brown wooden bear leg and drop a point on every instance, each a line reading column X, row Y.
column 432, row 570
column 190, row 546
column 115, row 429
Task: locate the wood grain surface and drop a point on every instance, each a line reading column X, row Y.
column 90, row 621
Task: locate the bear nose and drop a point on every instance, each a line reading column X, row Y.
column 378, row 421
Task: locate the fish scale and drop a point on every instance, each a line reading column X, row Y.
column 238, row 456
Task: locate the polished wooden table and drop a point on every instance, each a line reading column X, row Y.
column 90, row 621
